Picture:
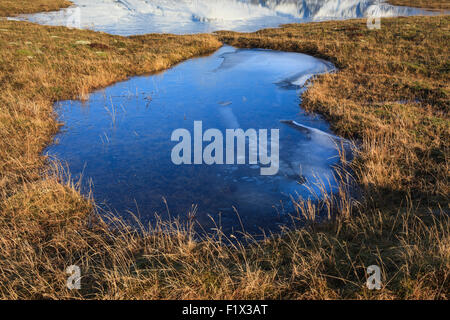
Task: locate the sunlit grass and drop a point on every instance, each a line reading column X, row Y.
column 14, row 7
column 435, row 4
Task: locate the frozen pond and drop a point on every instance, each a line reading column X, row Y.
column 127, row 17
column 121, row 139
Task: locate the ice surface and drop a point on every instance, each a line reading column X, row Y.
column 284, row 68
column 127, row 17
column 129, row 162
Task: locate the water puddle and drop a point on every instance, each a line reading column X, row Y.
column 121, row 139
column 128, row 17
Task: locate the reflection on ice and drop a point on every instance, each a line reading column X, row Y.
column 231, row 89
column 317, row 168
column 285, row 68
column 128, row 17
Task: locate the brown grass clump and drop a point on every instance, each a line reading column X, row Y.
column 391, row 94
column 435, row 4
column 14, row 7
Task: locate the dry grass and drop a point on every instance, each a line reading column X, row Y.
column 45, row 229
column 45, row 224
column 13, row 7
column 391, row 94
column 437, row 5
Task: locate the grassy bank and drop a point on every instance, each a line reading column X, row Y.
column 435, row 4
column 39, row 65
column 391, row 94
column 14, row 7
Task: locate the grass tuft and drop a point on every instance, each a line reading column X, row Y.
column 10, row 8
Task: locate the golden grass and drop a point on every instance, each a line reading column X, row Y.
column 45, row 229
column 46, row 225
column 435, row 4
column 13, row 7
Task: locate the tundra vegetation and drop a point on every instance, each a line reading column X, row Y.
column 14, row 7
column 434, row 4
column 391, row 95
